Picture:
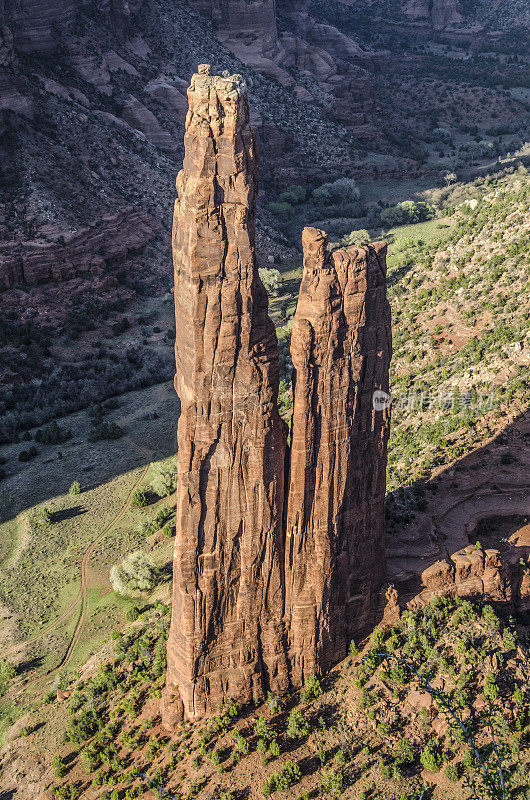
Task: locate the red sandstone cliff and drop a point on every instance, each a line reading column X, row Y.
column 99, row 247
column 341, row 347
column 226, row 636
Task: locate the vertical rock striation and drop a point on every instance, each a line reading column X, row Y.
column 272, row 579
column 226, row 638
column 341, row 347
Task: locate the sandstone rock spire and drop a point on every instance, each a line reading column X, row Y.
column 271, row 579
column 226, row 637
column 340, row 346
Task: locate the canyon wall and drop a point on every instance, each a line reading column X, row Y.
column 245, row 618
column 251, row 20
column 101, row 246
column 33, row 22
column 335, row 548
column 226, row 637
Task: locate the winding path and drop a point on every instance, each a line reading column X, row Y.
column 82, row 593
column 84, row 568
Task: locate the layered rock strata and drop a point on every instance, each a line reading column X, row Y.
column 102, row 246
column 226, row 636
column 335, row 550
column 251, row 20
column 249, row 616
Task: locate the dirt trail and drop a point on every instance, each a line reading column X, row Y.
column 82, row 593
column 86, row 557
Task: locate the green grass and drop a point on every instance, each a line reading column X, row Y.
column 431, row 234
column 40, row 579
column 8, row 539
column 46, row 574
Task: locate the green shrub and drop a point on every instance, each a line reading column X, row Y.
column 139, row 498
column 312, row 688
column 406, row 213
column 271, row 280
column 164, row 481
column 508, row 639
column 293, row 195
column 162, row 515
column 75, row 488
column 297, row 725
column 274, row 703
column 359, row 237
column 104, row 431
column 136, row 573
column 7, row 673
column 262, row 728
column 83, row 726
column 240, row 743
column 52, row 434
column 431, row 756
column 43, row 517
column 59, row 767
column 343, row 190
column 353, row 649
column 451, row 773
column 288, row 774
column 491, row 690
column 168, row 531
column 274, row 749
column 283, row 211
column 332, row 782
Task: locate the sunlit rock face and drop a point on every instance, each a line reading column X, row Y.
column 226, row 637
column 341, row 348
column 278, row 561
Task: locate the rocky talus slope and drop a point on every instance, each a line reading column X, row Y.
column 231, row 595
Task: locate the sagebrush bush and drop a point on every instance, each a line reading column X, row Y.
column 271, row 280
column 343, row 190
column 136, row 573
column 164, row 481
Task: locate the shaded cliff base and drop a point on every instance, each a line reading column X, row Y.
column 470, row 536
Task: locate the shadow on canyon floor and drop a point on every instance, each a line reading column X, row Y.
column 148, row 420
column 480, row 502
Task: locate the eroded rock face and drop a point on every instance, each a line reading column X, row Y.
column 341, row 347
column 32, row 21
column 96, row 249
column 253, row 610
column 240, row 19
column 227, row 635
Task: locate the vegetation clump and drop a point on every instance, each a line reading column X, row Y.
column 136, row 573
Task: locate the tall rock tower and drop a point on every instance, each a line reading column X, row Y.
column 335, row 554
column 273, row 577
column 226, row 635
